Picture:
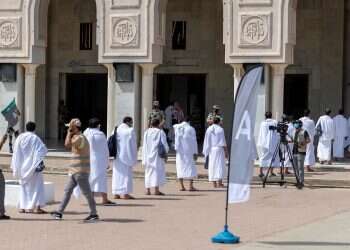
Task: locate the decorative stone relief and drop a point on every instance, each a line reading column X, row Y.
column 255, row 31
column 255, row 2
column 125, row 31
column 121, row 4
column 10, row 33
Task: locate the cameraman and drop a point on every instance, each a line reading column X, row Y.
column 300, row 139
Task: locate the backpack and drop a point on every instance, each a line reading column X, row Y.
column 112, row 144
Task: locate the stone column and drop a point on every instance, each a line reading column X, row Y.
column 237, row 76
column 146, row 94
column 111, row 99
column 277, row 89
column 20, row 95
column 29, row 99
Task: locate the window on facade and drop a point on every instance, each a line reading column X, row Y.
column 124, row 72
column 8, row 72
column 179, row 35
column 86, row 36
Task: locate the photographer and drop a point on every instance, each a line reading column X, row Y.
column 301, row 139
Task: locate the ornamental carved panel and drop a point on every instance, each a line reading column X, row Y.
column 255, row 30
column 125, row 31
column 10, row 33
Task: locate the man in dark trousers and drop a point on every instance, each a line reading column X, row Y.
column 2, row 187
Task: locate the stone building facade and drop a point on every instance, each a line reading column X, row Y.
column 111, row 58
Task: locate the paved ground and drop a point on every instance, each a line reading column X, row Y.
column 317, row 217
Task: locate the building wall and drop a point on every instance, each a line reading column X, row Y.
column 64, row 54
column 319, row 52
column 205, row 51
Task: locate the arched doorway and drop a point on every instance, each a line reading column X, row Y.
column 72, row 73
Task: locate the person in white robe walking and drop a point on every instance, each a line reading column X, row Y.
column 309, row 126
column 27, row 165
column 99, row 160
column 154, row 139
column 122, row 180
column 341, row 134
column 186, row 153
column 326, row 131
column 215, row 149
column 267, row 143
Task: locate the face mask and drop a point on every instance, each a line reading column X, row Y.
column 297, row 126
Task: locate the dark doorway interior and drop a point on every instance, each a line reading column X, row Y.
column 296, row 92
column 189, row 91
column 87, row 97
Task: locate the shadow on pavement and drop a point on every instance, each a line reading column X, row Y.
column 134, row 205
column 305, row 243
column 121, row 220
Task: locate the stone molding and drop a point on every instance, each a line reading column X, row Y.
column 266, row 31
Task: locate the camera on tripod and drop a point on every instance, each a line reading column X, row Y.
column 281, row 128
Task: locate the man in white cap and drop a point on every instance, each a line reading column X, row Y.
column 79, row 170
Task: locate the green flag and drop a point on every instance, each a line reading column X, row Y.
column 11, row 113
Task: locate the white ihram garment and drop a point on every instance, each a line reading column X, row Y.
column 186, row 147
column 29, row 152
column 154, row 165
column 309, row 127
column 214, row 143
column 341, row 132
column 122, row 180
column 99, row 159
column 267, row 142
column 324, row 148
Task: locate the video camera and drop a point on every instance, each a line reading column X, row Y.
column 281, row 128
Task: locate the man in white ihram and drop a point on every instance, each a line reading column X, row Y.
column 267, row 143
column 341, row 134
column 122, row 182
column 186, row 151
column 215, row 147
column 309, row 126
column 99, row 159
column 152, row 160
column 27, row 165
column 326, row 131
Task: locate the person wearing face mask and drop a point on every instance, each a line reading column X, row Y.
column 301, row 139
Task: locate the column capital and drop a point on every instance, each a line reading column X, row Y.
column 278, row 68
column 30, row 69
column 111, row 70
column 148, row 68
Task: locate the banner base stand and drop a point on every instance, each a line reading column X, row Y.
column 225, row 237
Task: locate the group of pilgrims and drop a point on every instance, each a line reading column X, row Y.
column 91, row 156
column 327, row 139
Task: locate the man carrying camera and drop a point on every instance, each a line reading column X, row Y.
column 300, row 139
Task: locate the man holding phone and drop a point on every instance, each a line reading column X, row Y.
column 79, row 170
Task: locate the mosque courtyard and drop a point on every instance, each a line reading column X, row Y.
column 317, row 217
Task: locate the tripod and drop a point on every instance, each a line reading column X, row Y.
column 282, row 148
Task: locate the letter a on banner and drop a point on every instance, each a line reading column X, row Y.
column 243, row 149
